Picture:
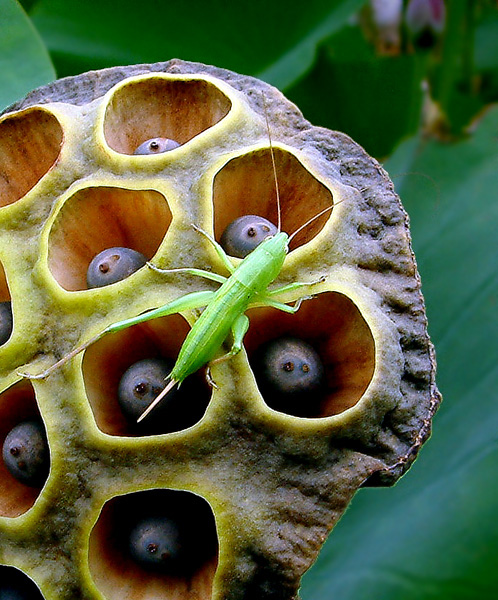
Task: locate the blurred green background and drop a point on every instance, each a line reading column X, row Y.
column 419, row 99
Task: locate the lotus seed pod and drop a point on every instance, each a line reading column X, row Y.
column 252, row 488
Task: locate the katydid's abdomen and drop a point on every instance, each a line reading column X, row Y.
column 251, row 278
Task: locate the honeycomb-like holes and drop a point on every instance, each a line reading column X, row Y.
column 106, row 361
column 246, row 186
column 97, row 218
column 118, row 576
column 17, row 404
column 332, row 324
column 159, row 107
column 30, row 144
column 14, row 585
column 4, row 290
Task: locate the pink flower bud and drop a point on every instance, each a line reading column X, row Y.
column 425, row 15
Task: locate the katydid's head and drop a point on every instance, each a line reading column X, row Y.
column 266, row 260
column 276, row 245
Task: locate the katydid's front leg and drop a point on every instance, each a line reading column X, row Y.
column 201, row 272
column 219, row 250
column 197, row 272
column 187, row 302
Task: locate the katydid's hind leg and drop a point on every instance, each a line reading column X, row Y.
column 197, row 272
column 187, row 302
column 64, row 359
column 239, row 329
column 219, row 250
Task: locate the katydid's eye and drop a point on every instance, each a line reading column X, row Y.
column 245, row 233
column 5, row 323
column 25, row 453
column 290, row 375
column 156, row 146
column 156, row 544
column 112, row 265
column 140, row 385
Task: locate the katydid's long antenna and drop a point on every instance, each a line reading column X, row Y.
column 322, row 212
column 279, row 223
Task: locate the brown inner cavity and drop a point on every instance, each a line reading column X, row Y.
column 155, row 107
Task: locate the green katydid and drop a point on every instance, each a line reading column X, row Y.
column 224, row 311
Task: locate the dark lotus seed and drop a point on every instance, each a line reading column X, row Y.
column 5, row 321
column 156, row 544
column 157, row 146
column 19, row 592
column 12, row 593
column 112, row 265
column 25, row 453
column 245, row 233
column 15, row 585
column 140, row 385
column 290, row 375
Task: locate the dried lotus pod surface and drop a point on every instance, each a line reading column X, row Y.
column 254, row 483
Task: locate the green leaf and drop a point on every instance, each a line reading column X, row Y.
column 435, row 535
column 486, row 43
column 24, row 61
column 290, row 66
column 453, row 81
column 486, row 56
column 374, row 99
column 273, row 39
